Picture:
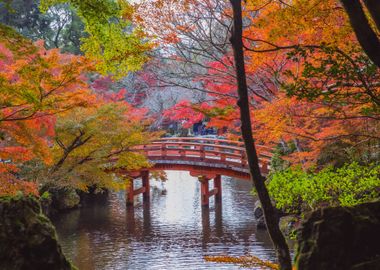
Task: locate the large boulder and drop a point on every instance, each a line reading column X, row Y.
column 27, row 238
column 341, row 238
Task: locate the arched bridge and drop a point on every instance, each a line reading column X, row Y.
column 205, row 158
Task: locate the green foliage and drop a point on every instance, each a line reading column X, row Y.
column 112, row 42
column 294, row 190
column 46, row 195
column 59, row 27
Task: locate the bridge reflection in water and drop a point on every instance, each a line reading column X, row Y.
column 172, row 232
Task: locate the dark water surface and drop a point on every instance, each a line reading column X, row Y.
column 173, row 232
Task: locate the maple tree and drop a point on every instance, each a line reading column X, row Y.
column 35, row 85
column 55, row 129
column 326, row 89
column 317, row 71
column 93, row 143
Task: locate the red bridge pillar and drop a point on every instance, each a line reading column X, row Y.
column 206, row 193
column 204, row 190
column 131, row 192
column 218, row 187
column 146, row 185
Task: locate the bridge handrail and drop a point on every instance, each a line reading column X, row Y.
column 198, row 144
column 262, row 150
column 231, row 142
column 199, row 139
column 158, row 146
column 198, row 151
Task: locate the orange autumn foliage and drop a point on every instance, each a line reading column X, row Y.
column 36, row 84
column 339, row 103
column 247, row 261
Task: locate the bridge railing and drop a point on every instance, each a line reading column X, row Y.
column 203, row 149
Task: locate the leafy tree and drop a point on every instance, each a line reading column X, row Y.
column 54, row 129
column 35, row 86
column 93, row 144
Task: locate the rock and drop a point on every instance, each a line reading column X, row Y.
column 258, row 211
column 341, row 238
column 261, row 223
column 28, row 239
column 289, row 225
column 65, row 198
column 46, row 202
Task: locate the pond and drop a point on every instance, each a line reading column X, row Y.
column 172, row 232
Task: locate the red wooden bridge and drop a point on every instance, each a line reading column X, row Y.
column 205, row 158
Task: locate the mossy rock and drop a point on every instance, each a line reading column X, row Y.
column 46, row 202
column 28, row 239
column 261, row 225
column 258, row 210
column 65, row 198
column 341, row 238
column 289, row 225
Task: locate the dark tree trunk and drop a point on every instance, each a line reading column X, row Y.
column 271, row 218
column 374, row 8
column 365, row 34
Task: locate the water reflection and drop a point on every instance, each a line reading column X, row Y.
column 173, row 232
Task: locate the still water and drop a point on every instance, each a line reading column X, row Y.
column 173, row 232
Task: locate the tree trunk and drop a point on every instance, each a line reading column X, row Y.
column 366, row 36
column 271, row 218
column 373, row 7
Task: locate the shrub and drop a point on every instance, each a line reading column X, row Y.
column 295, row 190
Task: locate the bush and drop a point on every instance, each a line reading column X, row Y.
column 294, row 190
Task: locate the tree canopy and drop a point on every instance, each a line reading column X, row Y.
column 55, row 129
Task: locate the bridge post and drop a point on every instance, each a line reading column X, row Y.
column 130, row 193
column 264, row 168
column 218, row 187
column 202, row 152
column 204, row 190
column 146, row 185
column 244, row 161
